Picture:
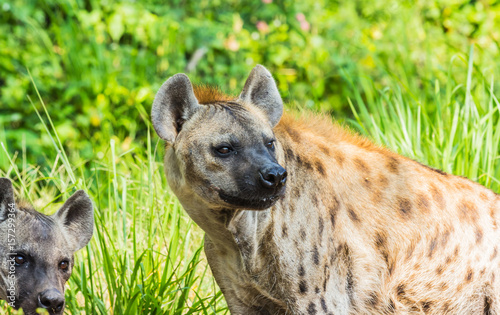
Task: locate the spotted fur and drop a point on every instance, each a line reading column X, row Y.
column 359, row 229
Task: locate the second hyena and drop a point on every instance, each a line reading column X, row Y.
column 304, row 217
column 36, row 250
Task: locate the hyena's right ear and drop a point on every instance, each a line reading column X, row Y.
column 76, row 218
column 6, row 198
column 174, row 103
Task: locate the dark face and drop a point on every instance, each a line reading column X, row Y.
column 229, row 158
column 36, row 251
column 42, row 262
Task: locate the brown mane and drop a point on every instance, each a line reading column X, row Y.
column 206, row 94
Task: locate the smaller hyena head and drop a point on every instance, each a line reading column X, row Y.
column 36, row 250
column 222, row 153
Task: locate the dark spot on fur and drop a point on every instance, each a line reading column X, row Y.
column 307, row 165
column 294, row 134
column 468, row 211
column 493, row 219
column 469, row 276
column 426, row 305
column 314, row 200
column 445, row 237
column 333, row 211
column 320, row 226
column 320, row 168
column 487, row 305
column 317, row 290
column 303, row 286
column 409, row 251
column 289, row 154
column 479, row 235
column 373, row 299
column 462, row 185
column 423, row 203
column 302, row 233
column 446, row 307
column 390, row 306
column 339, row 157
column 380, row 241
column 323, row 305
column 315, row 255
column 393, row 165
column 350, row 285
column 382, row 181
column 432, row 247
column 404, row 207
column 326, row 278
column 324, row 149
column 284, row 231
column 302, row 271
column 311, row 309
column 361, row 165
column 353, row 215
column 494, row 254
column 438, row 197
column 439, row 270
column 400, row 290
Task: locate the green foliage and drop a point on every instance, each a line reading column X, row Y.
column 98, row 63
column 417, row 76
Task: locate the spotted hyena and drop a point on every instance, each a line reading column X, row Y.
column 304, row 217
column 36, row 250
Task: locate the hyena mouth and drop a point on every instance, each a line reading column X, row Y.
column 253, row 203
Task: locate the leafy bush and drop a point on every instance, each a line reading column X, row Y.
column 97, row 64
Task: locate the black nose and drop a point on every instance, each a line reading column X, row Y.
column 272, row 177
column 52, row 300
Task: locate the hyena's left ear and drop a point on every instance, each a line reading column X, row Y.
column 7, row 202
column 260, row 90
column 76, row 217
column 174, row 103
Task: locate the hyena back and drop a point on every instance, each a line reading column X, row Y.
column 304, row 217
column 37, row 250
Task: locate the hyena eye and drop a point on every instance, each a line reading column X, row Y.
column 270, row 144
column 64, row 265
column 223, row 151
column 19, row 259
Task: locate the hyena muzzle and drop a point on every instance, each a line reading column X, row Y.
column 37, row 250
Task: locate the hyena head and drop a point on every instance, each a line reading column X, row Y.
column 36, row 250
column 223, row 153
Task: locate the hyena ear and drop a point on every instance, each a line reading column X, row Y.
column 260, row 90
column 76, row 217
column 6, row 198
column 174, row 103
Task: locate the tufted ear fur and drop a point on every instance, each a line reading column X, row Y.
column 174, row 103
column 6, row 198
column 76, row 217
column 261, row 91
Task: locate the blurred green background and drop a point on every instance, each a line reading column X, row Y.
column 98, row 64
column 420, row 77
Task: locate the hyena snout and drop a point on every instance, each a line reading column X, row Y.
column 52, row 300
column 272, row 176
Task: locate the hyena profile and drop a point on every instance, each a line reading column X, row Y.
column 36, row 250
column 304, row 217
